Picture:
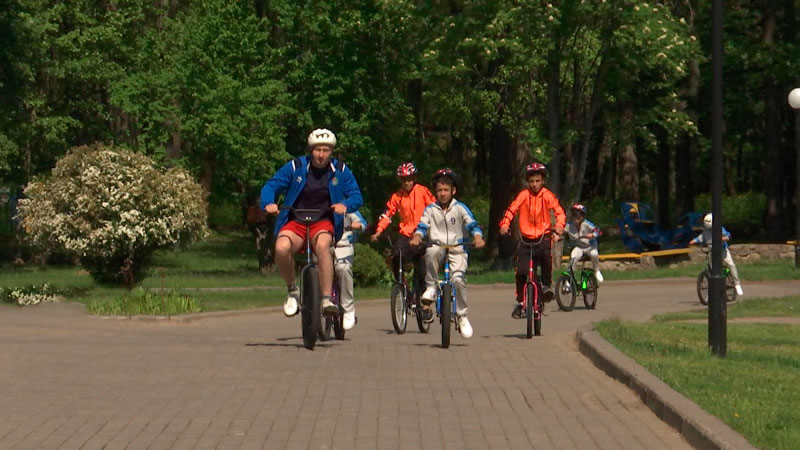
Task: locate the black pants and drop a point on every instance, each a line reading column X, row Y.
column 410, row 254
column 541, row 258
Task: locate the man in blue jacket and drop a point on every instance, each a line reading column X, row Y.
column 315, row 181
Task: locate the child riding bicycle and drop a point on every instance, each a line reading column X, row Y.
column 704, row 238
column 584, row 233
column 344, row 252
column 446, row 222
column 534, row 205
column 408, row 203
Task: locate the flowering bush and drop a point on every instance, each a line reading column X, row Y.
column 30, row 295
column 113, row 208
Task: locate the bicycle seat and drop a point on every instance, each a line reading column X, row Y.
column 308, row 216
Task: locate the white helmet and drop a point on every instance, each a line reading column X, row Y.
column 708, row 220
column 321, row 136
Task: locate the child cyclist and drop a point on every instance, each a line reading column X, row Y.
column 704, row 238
column 446, row 222
column 344, row 253
column 585, row 234
column 408, row 202
column 534, row 205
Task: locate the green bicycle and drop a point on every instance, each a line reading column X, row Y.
column 571, row 284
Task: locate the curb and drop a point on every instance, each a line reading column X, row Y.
column 700, row 429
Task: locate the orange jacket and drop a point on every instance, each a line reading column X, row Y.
column 534, row 212
column 409, row 205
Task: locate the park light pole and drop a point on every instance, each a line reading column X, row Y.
column 717, row 321
column 794, row 102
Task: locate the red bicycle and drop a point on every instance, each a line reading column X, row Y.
column 532, row 308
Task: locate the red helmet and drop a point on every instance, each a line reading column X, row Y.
column 536, row 167
column 406, row 169
column 445, row 173
column 580, row 208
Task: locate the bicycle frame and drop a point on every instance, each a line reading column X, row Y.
column 443, row 283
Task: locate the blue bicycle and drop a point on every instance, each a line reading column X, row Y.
column 446, row 299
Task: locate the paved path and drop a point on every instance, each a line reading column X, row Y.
column 245, row 382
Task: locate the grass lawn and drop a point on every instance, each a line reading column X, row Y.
column 227, row 260
column 754, row 390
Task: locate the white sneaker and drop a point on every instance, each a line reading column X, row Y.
column 349, row 320
column 429, row 296
column 599, row 277
column 739, row 290
column 464, row 327
column 290, row 305
column 328, row 307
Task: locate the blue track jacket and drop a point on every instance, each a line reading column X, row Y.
column 291, row 180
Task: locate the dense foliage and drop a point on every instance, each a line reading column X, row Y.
column 611, row 94
column 112, row 208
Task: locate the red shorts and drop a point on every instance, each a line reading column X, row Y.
column 315, row 228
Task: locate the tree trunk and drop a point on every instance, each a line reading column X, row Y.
column 588, row 128
column 686, row 185
column 503, row 165
column 773, row 176
column 662, row 172
column 629, row 175
column 553, row 77
column 209, row 165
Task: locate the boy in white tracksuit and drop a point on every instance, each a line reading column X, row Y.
column 447, row 221
column 584, row 234
column 344, row 252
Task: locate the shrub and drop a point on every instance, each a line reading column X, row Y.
column 369, row 266
column 113, row 208
column 742, row 214
column 146, row 302
column 31, row 295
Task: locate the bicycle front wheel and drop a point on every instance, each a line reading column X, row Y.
column 565, row 293
column 399, row 307
column 424, row 327
column 446, row 314
column 590, row 293
column 702, row 287
column 310, row 311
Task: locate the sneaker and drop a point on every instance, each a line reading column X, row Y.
column 599, row 277
column 739, row 290
column 517, row 312
column 429, row 296
column 427, row 315
column 547, row 294
column 290, row 305
column 349, row 320
column 328, row 307
column 464, row 327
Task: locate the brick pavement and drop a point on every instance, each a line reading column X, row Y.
column 242, row 382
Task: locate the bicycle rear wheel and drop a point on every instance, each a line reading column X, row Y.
column 565, row 293
column 730, row 288
column 446, row 314
column 310, row 310
column 702, row 287
column 590, row 293
column 399, row 307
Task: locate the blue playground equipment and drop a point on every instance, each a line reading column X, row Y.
column 640, row 232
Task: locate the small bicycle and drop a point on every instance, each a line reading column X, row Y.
column 310, row 296
column 532, row 307
column 446, row 298
column 705, row 276
column 404, row 299
column 569, row 286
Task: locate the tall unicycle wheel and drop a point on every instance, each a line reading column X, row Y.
column 310, row 309
column 565, row 293
column 590, row 293
column 702, row 286
column 399, row 307
column 446, row 314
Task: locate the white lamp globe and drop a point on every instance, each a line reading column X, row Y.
column 794, row 98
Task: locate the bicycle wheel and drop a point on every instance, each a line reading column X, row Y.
column 702, row 287
column 310, row 314
column 424, row 327
column 590, row 293
column 565, row 293
column 399, row 307
column 531, row 315
column 446, row 314
column 730, row 288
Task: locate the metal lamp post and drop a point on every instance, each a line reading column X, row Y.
column 794, row 102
